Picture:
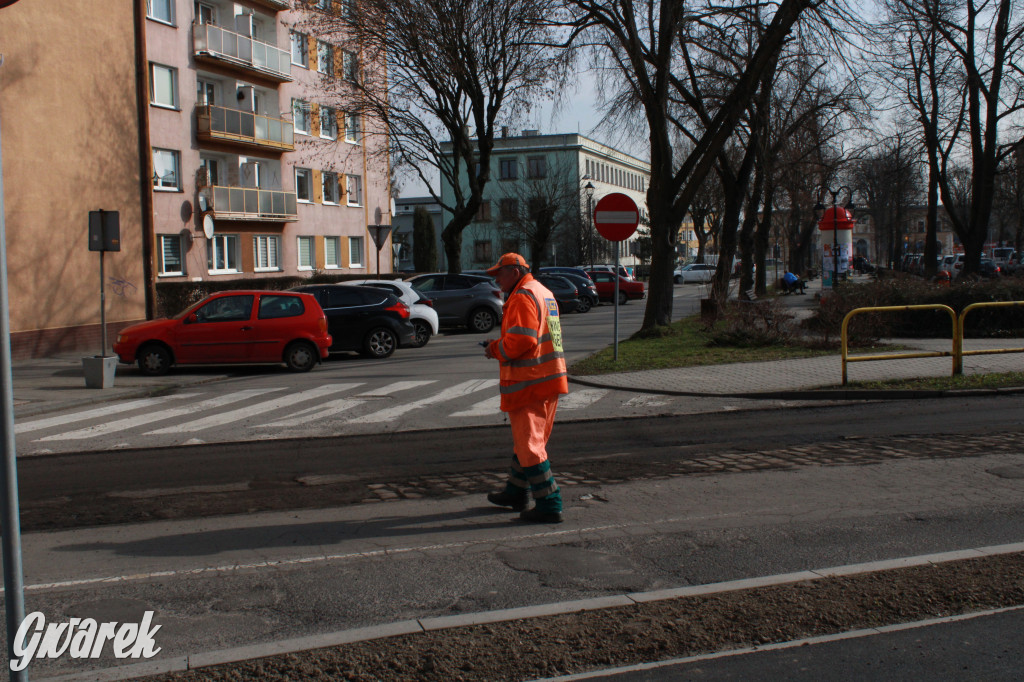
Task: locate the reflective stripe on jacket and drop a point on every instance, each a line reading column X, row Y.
column 530, row 347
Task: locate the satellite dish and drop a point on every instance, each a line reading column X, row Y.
column 393, row 211
column 208, row 226
column 376, row 215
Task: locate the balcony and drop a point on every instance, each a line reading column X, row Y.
column 221, row 124
column 275, row 5
column 251, row 203
column 216, row 45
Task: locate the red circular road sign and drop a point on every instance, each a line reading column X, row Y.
column 616, row 217
column 5, row 3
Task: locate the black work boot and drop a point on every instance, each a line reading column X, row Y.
column 538, row 515
column 518, row 501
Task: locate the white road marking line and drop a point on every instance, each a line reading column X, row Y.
column 457, row 391
column 252, row 410
column 143, row 419
column 336, row 407
column 483, row 408
column 580, row 399
column 105, row 411
column 647, row 401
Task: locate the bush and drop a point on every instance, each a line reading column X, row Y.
column 754, row 324
column 905, row 290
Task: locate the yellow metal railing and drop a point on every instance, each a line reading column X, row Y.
column 991, row 304
column 244, row 126
column 955, row 351
column 215, row 41
column 250, row 203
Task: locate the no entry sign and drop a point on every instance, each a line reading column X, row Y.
column 616, row 217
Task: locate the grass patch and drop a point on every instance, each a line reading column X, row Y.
column 685, row 343
column 950, row 383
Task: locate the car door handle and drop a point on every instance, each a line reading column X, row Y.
column 246, row 329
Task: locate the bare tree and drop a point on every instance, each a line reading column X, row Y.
column 438, row 76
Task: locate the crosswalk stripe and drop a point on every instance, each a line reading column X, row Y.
column 457, row 391
column 483, row 408
column 253, row 410
column 648, row 401
column 149, row 418
column 105, row 411
column 580, row 399
column 336, row 407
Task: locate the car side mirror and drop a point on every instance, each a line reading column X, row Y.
column 192, row 318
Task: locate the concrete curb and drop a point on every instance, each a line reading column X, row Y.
column 423, row 625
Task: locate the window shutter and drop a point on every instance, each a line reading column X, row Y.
column 318, row 187
column 311, row 44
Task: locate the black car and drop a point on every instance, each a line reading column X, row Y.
column 564, row 270
column 584, row 287
column 565, row 291
column 368, row 320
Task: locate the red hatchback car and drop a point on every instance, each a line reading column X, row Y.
column 604, row 282
column 231, row 326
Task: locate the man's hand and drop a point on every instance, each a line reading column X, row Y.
column 487, row 349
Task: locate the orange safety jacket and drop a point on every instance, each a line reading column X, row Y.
column 530, row 347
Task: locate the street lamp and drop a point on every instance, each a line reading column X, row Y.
column 589, row 190
column 835, row 226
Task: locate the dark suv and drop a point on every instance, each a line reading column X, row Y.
column 470, row 300
column 368, row 320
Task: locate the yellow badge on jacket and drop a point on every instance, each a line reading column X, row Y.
column 554, row 323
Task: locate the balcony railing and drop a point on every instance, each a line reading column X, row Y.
column 244, row 127
column 251, row 203
column 224, row 45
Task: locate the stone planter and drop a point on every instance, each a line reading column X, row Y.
column 99, row 371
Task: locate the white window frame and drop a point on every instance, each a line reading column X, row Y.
column 206, row 92
column 311, row 241
column 158, row 183
column 301, row 114
column 223, row 244
column 173, row 72
column 330, row 188
column 354, row 189
column 308, row 174
column 302, row 41
column 355, row 248
column 325, row 58
column 198, row 8
column 266, row 253
column 331, row 116
column 352, row 124
column 164, row 240
column 332, row 244
column 170, row 10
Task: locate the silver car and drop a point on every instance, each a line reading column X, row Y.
column 473, row 301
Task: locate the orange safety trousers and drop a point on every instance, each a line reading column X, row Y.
column 531, row 428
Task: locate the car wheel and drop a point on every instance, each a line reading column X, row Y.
column 623, row 299
column 482, row 320
column 380, row 343
column 154, row 360
column 300, row 356
column 423, row 333
column 585, row 304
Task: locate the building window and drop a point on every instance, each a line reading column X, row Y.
column 265, row 253
column 483, row 214
column 212, row 168
column 482, row 252
column 355, row 190
column 330, row 187
column 205, row 14
column 351, row 127
column 509, row 208
column 300, row 116
column 508, row 169
column 166, row 170
column 537, row 167
column 160, row 10
column 163, row 86
column 328, row 123
column 348, row 9
column 170, row 255
column 355, row 252
column 323, row 4
column 325, row 58
column 222, row 254
column 332, row 252
column 206, row 92
column 306, row 253
column 304, row 184
column 350, row 65
column 300, row 49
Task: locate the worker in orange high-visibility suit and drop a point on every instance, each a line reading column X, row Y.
column 532, row 377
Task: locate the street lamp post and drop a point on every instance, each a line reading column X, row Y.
column 589, row 190
column 835, row 226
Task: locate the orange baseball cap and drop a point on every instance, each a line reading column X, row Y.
column 508, row 259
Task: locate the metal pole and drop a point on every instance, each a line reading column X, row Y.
column 590, row 223
column 835, row 244
column 103, row 297
column 10, row 526
column 616, row 301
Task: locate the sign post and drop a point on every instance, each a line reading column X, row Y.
column 616, row 217
column 104, row 235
